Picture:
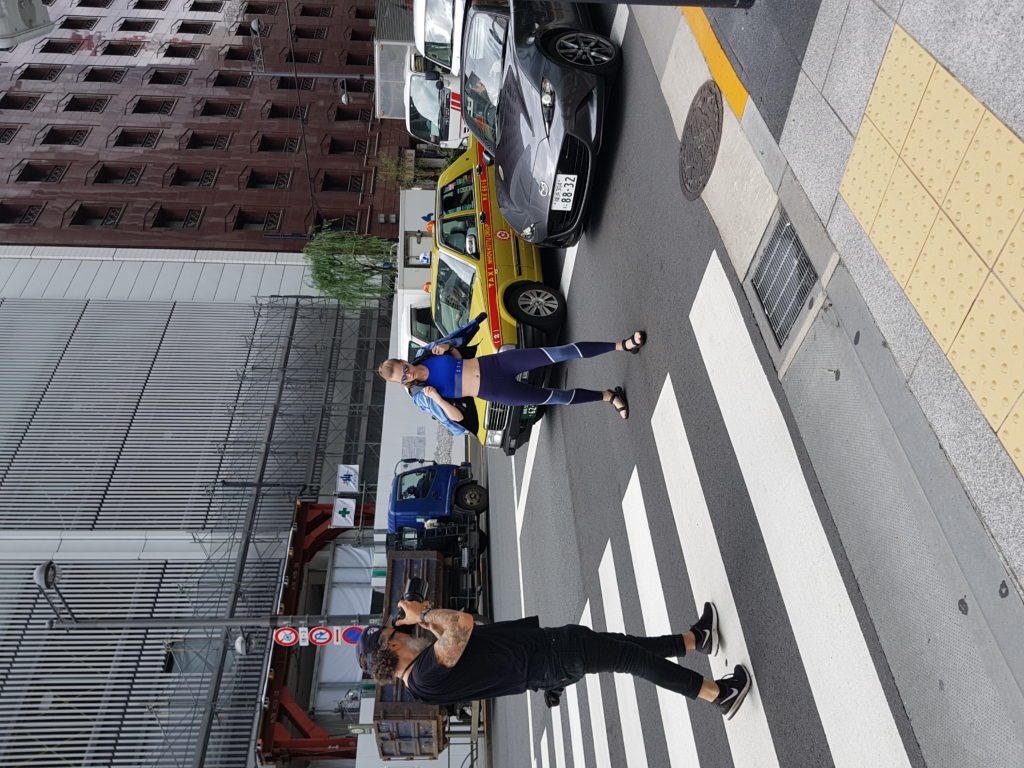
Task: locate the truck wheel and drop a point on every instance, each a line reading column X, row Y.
column 471, row 497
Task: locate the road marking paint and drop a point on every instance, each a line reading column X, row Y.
column 721, row 68
column 544, row 760
column 595, row 703
column 851, row 703
column 557, row 737
column 625, row 686
column 619, row 24
column 572, row 700
column 567, row 267
column 750, row 739
column 675, row 717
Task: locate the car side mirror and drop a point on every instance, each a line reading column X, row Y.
column 487, row 158
column 430, row 76
column 471, row 245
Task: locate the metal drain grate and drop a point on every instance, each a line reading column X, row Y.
column 783, row 278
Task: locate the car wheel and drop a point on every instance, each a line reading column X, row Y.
column 471, row 497
column 587, row 51
column 536, row 304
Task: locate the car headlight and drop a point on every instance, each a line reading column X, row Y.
column 547, row 103
column 528, row 232
column 494, row 438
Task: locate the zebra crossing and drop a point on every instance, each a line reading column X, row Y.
column 848, row 696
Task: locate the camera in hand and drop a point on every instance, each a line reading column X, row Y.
column 415, row 592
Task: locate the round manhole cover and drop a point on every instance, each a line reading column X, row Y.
column 702, row 134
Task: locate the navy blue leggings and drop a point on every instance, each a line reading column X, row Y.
column 498, row 383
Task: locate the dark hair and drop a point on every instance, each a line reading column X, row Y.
column 385, row 662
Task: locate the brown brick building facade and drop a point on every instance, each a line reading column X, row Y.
column 180, row 123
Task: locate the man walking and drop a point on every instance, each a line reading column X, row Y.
column 467, row 661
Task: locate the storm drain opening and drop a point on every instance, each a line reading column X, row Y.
column 783, row 278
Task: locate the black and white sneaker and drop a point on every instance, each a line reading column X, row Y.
column 732, row 690
column 706, row 631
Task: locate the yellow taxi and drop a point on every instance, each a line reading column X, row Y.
column 480, row 265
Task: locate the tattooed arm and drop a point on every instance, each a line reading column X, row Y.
column 452, row 629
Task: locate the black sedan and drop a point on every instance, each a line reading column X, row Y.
column 535, row 99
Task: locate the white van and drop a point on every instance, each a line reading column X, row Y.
column 433, row 107
column 437, row 31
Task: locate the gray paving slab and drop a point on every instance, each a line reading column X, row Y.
column 858, row 54
column 817, row 145
column 890, row 7
column 823, row 41
column 981, row 42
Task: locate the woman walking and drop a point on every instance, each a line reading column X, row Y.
column 446, row 375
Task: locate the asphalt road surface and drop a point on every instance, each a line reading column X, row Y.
column 634, row 524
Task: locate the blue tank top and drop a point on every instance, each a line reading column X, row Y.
column 445, row 375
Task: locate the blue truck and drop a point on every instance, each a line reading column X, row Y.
column 431, row 491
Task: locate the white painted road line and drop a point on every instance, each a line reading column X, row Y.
column 595, row 702
column 619, row 24
column 675, row 718
column 556, row 736
column 567, row 267
column 543, row 760
column 851, row 703
column 572, row 702
column 625, row 686
column 750, row 739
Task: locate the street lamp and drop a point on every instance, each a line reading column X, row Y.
column 45, row 578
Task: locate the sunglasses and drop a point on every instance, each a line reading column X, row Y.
column 405, row 373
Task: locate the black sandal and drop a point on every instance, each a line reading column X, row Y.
column 637, row 346
column 620, row 393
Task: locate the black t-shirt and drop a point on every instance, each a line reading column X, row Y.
column 500, row 659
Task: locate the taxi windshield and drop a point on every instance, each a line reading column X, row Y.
column 428, row 113
column 482, row 61
column 452, row 293
column 439, row 31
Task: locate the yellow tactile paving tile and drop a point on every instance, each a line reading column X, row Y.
column 1011, row 434
column 987, row 193
column 941, row 132
column 867, row 173
column 899, row 86
column 1010, row 264
column 988, row 353
column 945, row 281
column 904, row 219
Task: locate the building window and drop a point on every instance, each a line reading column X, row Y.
column 201, row 6
column 121, row 48
column 40, row 72
column 204, row 140
column 118, row 174
column 212, row 108
column 20, row 101
column 304, row 57
column 344, row 222
column 7, row 133
column 363, row 13
column 66, row 136
column 278, row 144
column 195, row 27
column 292, row 84
column 233, row 80
column 309, row 33
column 288, row 112
column 358, row 59
column 137, row 139
column 347, row 146
column 239, row 53
column 19, row 213
column 153, row 106
column 137, row 25
column 266, row 221
column 269, row 180
column 178, row 218
column 150, row 5
column 180, row 51
column 104, row 75
column 79, row 22
column 49, row 173
column 333, row 182
column 361, row 35
column 93, row 3
column 169, row 76
column 66, row 47
column 352, row 113
column 86, row 104
column 193, row 177
column 323, row 11
column 261, row 9
column 97, row 216
column 245, row 29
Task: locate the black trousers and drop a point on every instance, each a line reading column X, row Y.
column 574, row 651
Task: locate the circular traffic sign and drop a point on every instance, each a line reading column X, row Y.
column 286, row 636
column 321, row 635
column 351, row 635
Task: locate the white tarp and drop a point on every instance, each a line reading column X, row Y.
column 348, row 479
column 344, row 514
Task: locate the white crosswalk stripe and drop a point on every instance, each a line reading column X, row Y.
column 595, row 701
column 856, row 718
column 557, row 741
column 572, row 703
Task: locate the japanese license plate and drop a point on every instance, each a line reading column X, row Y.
column 564, row 191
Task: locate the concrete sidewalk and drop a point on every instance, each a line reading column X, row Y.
column 888, row 132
